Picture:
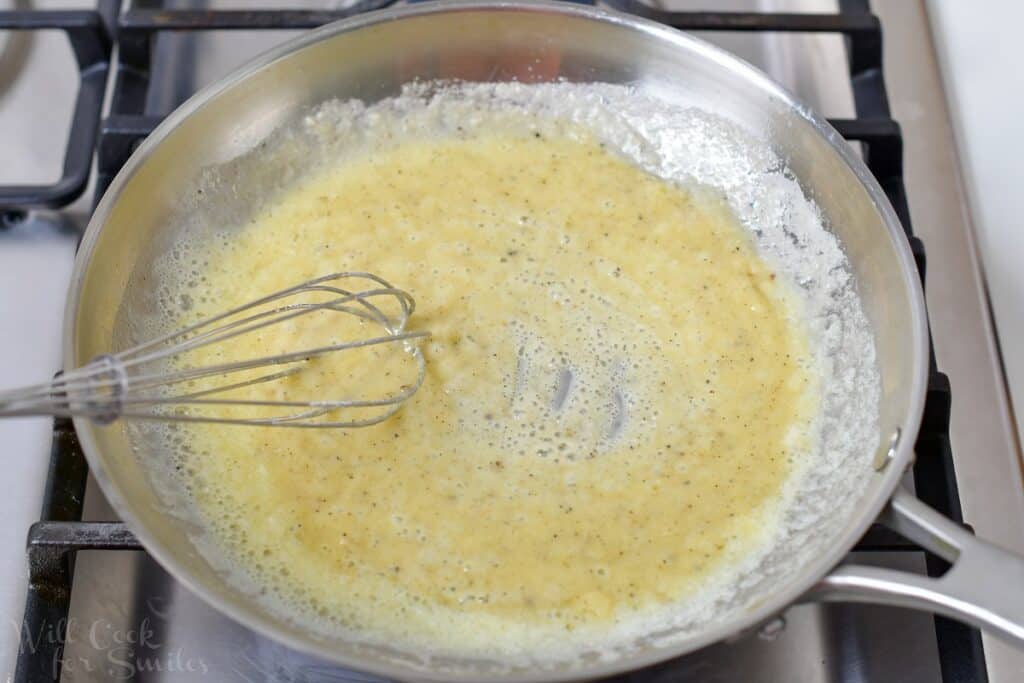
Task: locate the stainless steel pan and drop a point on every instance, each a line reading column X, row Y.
column 370, row 57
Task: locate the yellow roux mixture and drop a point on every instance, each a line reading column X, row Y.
column 617, row 390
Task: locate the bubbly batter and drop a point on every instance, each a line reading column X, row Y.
column 618, row 388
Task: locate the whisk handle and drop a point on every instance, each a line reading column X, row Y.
column 95, row 390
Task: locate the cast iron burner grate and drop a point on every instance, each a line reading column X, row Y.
column 54, row 541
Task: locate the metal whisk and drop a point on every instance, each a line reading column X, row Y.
column 141, row 382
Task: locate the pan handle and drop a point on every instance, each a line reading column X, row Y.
column 984, row 587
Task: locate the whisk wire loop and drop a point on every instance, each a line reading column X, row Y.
column 136, row 383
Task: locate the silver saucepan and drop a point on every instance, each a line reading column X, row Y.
column 371, row 57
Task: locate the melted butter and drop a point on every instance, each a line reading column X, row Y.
column 617, row 388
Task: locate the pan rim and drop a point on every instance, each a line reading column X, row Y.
column 258, row 620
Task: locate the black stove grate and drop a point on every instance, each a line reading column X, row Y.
column 54, row 541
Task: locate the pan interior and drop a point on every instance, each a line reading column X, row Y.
column 685, row 146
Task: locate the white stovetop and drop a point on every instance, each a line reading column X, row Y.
column 34, row 275
column 35, row 269
column 986, row 97
column 983, row 71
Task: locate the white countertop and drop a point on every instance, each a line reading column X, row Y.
column 978, row 45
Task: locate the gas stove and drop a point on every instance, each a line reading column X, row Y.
column 96, row 607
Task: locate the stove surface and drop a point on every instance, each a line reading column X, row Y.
column 130, row 621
